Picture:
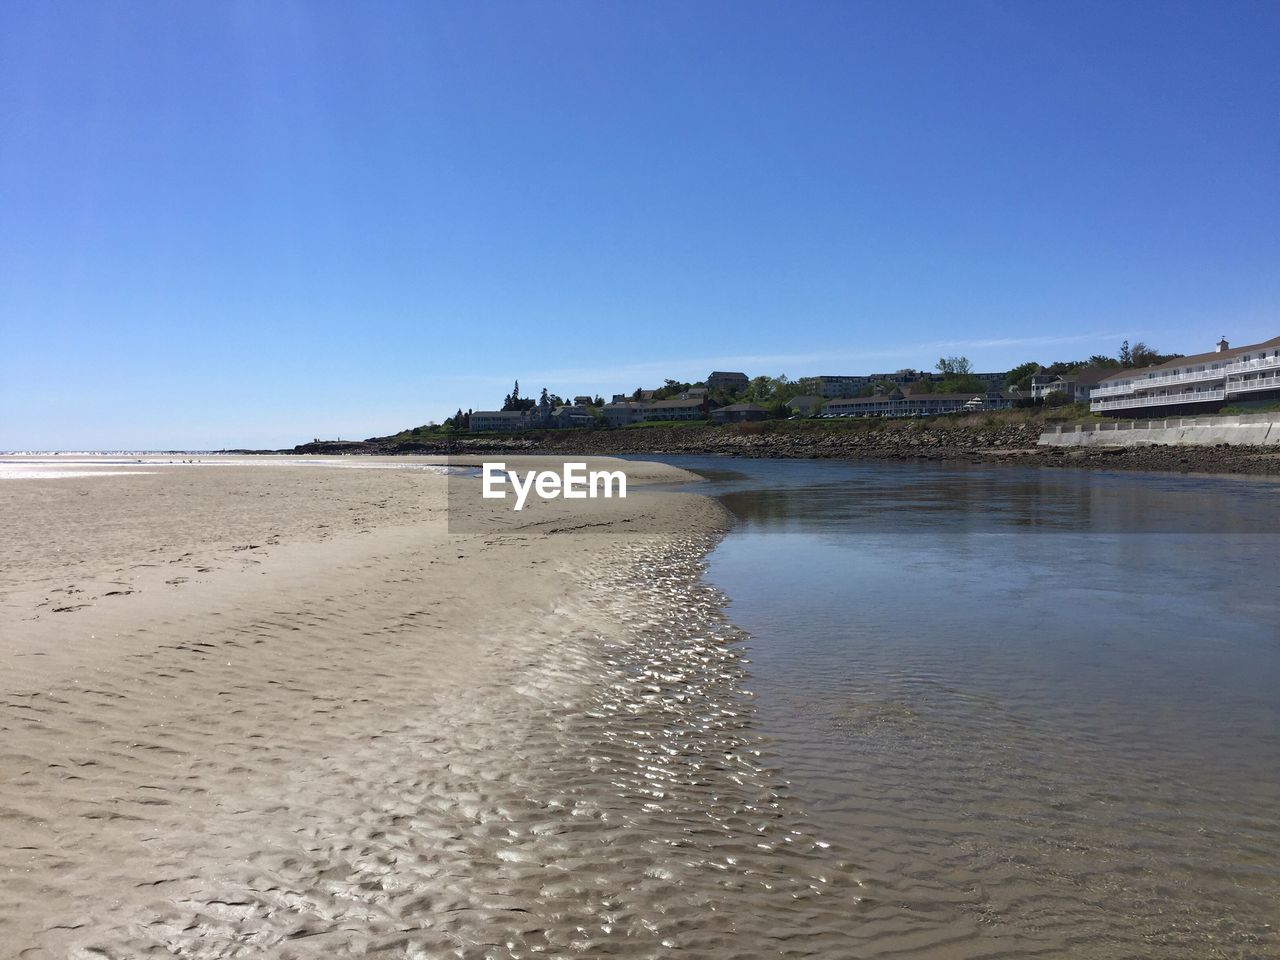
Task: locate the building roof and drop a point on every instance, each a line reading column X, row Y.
column 742, row 408
column 497, row 413
column 1086, row 375
column 1195, row 359
column 874, row 398
column 727, row 373
column 668, row 404
column 806, row 398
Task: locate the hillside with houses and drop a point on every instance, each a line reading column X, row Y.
column 1138, row 382
column 1139, row 378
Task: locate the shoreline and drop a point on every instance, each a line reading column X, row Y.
column 896, row 442
column 285, row 712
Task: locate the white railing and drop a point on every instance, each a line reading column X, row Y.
column 1139, row 382
column 1168, row 399
column 1248, row 386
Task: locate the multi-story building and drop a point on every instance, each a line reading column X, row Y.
column 731, row 381
column 508, row 420
column 621, row 412
column 677, row 409
column 841, row 386
column 896, row 403
column 1206, row 381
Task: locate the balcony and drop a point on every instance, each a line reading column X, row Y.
column 1162, row 400
column 1232, row 368
column 1252, row 386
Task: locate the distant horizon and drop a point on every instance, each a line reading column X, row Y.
column 244, row 226
column 530, row 388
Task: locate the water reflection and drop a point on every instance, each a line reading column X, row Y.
column 868, row 498
column 1060, row 744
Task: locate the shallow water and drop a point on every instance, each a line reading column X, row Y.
column 1039, row 709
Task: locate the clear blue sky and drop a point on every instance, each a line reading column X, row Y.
column 228, row 224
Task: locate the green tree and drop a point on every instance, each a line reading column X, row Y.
column 954, row 367
column 1143, row 355
column 760, row 390
column 962, row 384
column 1020, row 376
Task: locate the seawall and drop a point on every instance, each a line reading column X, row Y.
column 1254, row 430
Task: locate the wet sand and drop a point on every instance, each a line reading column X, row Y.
column 271, row 710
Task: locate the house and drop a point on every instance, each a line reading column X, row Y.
column 694, row 393
column 1206, row 381
column 1040, row 382
column 1076, row 384
column 731, row 382
column 577, row 415
column 740, row 413
column 805, row 406
column 676, row 409
column 583, row 401
column 506, row 420
column 622, row 412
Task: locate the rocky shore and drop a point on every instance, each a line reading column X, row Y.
column 1001, row 442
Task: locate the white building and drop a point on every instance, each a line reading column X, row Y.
column 899, row 404
column 1206, row 381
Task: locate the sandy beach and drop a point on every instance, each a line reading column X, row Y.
column 276, row 709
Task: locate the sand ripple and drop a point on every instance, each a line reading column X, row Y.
column 594, row 793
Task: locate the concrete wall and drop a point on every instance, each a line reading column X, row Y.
column 1254, row 429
